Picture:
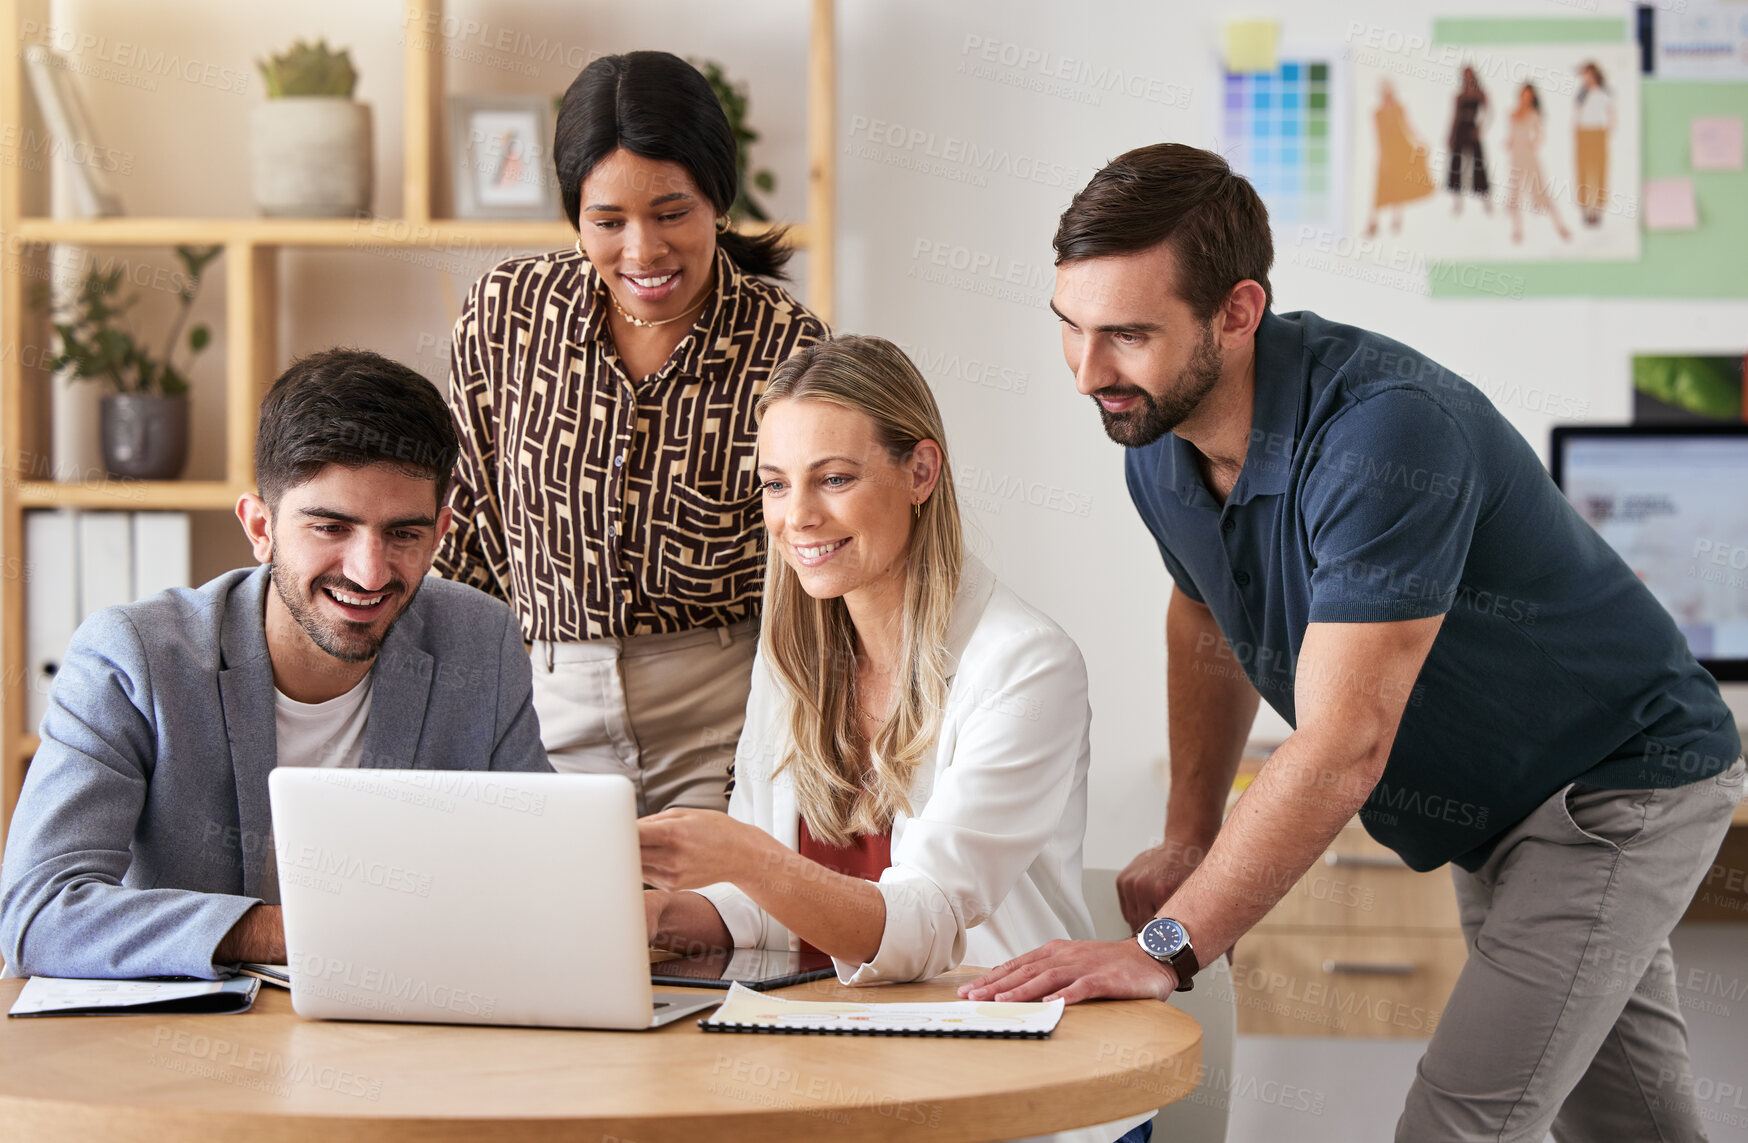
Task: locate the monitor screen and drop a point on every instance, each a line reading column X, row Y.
column 1673, row 501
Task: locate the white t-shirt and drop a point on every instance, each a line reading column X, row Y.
column 1596, row 110
column 327, row 734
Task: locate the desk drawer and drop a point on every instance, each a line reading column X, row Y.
column 1379, row 985
column 1358, row 884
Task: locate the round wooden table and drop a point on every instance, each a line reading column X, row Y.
column 268, row 1075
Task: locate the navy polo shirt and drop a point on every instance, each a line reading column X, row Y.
column 1379, row 486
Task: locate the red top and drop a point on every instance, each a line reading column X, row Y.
column 867, row 857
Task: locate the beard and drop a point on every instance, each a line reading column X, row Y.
column 1156, row 416
column 344, row 639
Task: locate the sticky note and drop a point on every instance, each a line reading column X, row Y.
column 1716, row 142
column 1669, row 204
column 1251, row 44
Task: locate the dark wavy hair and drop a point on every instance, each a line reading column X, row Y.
column 657, row 106
column 355, row 408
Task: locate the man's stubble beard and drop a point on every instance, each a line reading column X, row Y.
column 303, row 611
column 1160, row 415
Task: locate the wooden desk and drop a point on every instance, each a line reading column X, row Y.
column 269, row 1076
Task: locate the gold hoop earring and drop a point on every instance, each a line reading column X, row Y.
column 917, row 510
column 580, row 253
column 722, row 224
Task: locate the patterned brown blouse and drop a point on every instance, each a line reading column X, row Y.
column 593, row 504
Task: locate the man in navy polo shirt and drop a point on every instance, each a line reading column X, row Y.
column 1357, row 536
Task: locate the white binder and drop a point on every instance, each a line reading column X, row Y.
column 160, row 544
column 51, row 601
column 106, row 560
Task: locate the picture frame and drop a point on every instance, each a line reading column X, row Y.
column 501, row 163
column 86, row 162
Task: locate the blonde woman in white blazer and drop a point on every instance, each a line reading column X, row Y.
column 910, row 785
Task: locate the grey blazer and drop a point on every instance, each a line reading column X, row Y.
column 143, row 831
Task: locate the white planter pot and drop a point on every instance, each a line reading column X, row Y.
column 311, row 156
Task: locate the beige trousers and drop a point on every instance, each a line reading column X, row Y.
column 1592, row 168
column 663, row 710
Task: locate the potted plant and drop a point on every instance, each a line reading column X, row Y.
column 145, row 420
column 310, row 143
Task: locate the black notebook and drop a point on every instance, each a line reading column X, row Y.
column 57, row 996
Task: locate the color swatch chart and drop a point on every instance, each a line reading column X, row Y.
column 1276, row 131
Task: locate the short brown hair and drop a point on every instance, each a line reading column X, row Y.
column 354, row 408
column 1217, row 226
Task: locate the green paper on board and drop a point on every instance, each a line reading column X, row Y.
column 1703, row 262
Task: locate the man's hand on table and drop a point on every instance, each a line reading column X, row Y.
column 1074, row 971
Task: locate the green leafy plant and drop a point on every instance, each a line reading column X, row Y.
column 309, row 70
column 95, row 346
column 1710, row 386
column 734, row 99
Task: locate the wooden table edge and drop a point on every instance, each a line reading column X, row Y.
column 38, row 1119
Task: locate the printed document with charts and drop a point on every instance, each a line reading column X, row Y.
column 749, row 1011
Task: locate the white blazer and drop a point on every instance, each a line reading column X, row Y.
column 987, row 865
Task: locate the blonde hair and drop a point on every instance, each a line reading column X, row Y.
column 844, row 785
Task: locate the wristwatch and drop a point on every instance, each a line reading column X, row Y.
column 1166, row 941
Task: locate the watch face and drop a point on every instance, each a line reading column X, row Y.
column 1163, row 938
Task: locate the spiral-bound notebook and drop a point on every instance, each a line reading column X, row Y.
column 749, row 1011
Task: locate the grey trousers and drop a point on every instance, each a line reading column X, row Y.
column 1565, row 1017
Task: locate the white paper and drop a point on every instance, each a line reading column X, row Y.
column 1701, row 39
column 954, row 1017
column 55, row 994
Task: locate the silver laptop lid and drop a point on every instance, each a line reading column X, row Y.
column 462, row 897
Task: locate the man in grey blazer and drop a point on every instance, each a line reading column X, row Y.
column 142, row 844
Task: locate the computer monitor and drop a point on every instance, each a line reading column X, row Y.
column 1673, row 501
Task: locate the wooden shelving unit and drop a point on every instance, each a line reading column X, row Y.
column 252, row 248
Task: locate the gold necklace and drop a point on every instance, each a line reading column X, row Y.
column 639, row 322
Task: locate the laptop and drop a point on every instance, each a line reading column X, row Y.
column 466, row 897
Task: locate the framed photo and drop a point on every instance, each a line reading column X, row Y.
column 87, row 164
column 501, row 157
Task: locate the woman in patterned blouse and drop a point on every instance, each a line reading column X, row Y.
column 604, row 397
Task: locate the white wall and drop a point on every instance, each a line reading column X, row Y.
column 1018, row 432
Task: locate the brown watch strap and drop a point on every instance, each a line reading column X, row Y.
column 1185, row 965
